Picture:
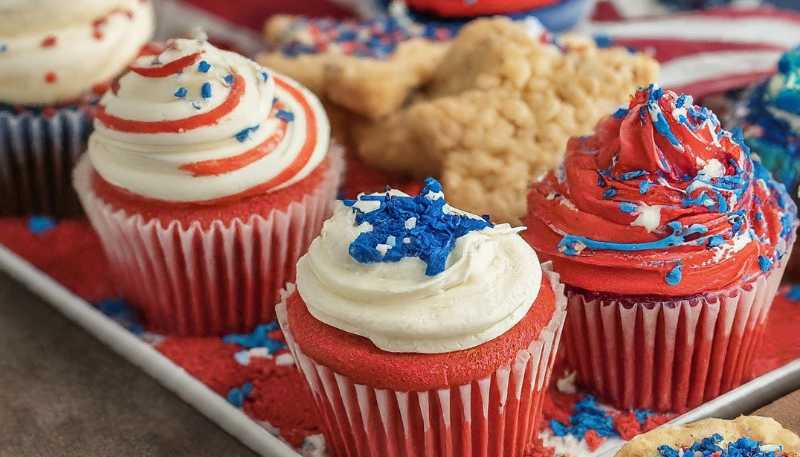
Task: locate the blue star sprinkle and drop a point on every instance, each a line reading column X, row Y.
column 41, row 224
column 404, row 226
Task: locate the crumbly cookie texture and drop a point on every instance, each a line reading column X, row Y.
column 763, row 429
column 498, row 111
column 366, row 86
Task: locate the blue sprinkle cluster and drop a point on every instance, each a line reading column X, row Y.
column 122, row 313
column 587, row 415
column 404, row 226
column 41, row 224
column 258, row 338
column 713, row 446
column 374, row 38
column 237, row 395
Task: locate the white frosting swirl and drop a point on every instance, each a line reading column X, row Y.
column 490, row 283
column 268, row 131
column 52, row 53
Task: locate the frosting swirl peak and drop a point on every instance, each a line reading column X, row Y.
column 195, row 124
column 660, row 201
column 486, row 283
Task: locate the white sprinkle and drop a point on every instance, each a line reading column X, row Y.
column 713, row 169
column 383, row 248
column 568, row 203
column 648, row 217
column 433, row 196
column 242, row 357
column 313, row 446
column 567, row 383
column 367, row 206
column 284, row 360
column 411, row 222
column 406, row 240
column 391, row 240
column 551, row 196
column 260, row 352
column 771, row 447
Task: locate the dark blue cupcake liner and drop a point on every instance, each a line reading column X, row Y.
column 38, row 151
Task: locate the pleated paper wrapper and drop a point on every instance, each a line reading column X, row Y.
column 37, row 154
column 669, row 356
column 495, row 416
column 224, row 278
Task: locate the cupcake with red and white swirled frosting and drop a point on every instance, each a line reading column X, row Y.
column 206, row 178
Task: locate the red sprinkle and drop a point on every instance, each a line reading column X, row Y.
column 50, row 77
column 593, row 440
column 49, row 41
column 97, row 34
column 654, row 421
column 627, row 426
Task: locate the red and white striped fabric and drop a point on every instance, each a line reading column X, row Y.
column 701, row 52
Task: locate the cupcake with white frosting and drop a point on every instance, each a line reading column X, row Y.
column 207, row 177
column 55, row 62
column 419, row 326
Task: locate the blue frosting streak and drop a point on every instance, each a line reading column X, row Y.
column 569, row 244
column 431, row 238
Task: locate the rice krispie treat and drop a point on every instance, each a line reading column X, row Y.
column 498, row 111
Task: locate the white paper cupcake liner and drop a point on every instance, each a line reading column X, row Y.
column 37, row 155
column 669, row 356
column 495, row 416
column 220, row 279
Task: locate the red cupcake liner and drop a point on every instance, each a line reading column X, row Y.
column 37, row 154
column 494, row 416
column 213, row 280
column 668, row 356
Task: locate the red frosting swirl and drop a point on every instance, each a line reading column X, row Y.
column 659, row 201
column 460, row 8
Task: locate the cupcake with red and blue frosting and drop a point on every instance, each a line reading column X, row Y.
column 672, row 240
column 421, row 328
column 55, row 62
column 206, row 177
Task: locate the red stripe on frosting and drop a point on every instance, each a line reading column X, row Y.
column 220, row 166
column 180, row 125
column 167, row 69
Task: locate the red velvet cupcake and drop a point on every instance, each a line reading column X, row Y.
column 423, row 330
column 672, row 241
column 206, row 178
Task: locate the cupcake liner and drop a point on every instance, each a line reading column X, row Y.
column 37, row 154
column 668, row 356
column 494, row 416
column 208, row 281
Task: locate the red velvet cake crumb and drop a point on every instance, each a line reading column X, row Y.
column 210, row 360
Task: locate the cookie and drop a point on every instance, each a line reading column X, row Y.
column 369, row 67
column 762, row 429
column 498, row 111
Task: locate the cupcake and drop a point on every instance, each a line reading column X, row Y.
column 423, row 329
column 54, row 63
column 672, row 240
column 745, row 436
column 207, row 176
column 769, row 114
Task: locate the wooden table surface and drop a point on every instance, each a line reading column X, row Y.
column 62, row 393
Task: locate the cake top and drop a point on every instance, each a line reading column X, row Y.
column 746, row 436
column 195, row 124
column 413, row 274
column 52, row 54
column 662, row 192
